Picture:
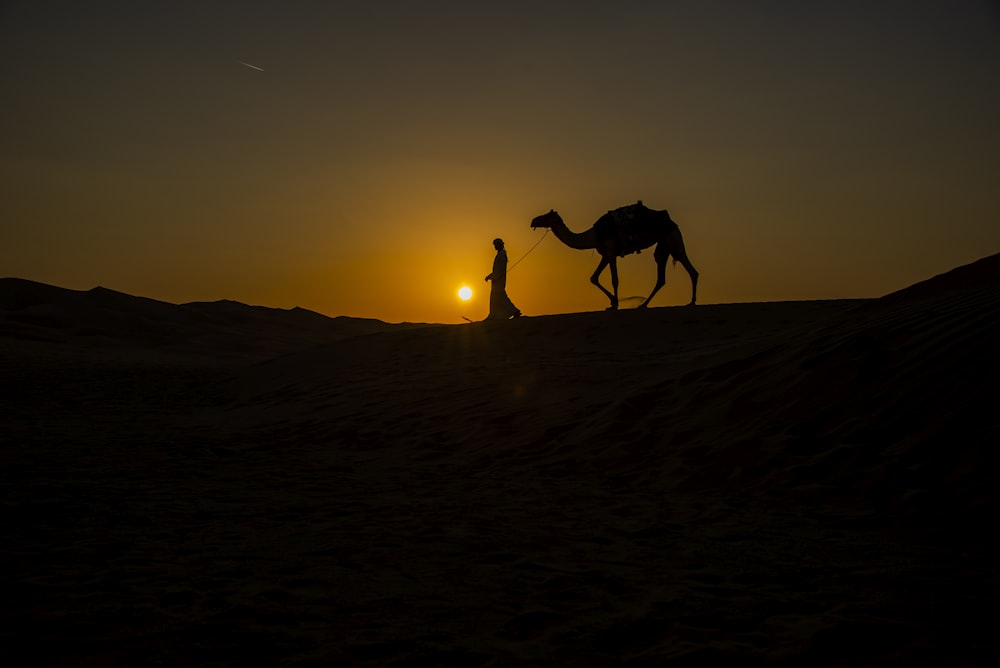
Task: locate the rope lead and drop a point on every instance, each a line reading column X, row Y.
column 511, row 267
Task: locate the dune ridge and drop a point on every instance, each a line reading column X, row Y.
column 117, row 323
column 781, row 483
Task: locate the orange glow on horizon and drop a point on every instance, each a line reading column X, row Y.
column 379, row 195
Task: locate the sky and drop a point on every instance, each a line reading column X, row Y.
column 358, row 158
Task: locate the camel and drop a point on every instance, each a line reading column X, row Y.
column 629, row 229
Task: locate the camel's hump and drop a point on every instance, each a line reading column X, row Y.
column 632, row 227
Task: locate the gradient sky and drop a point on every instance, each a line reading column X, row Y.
column 807, row 150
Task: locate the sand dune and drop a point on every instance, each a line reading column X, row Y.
column 781, row 483
column 118, row 324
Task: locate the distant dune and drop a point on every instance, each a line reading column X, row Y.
column 105, row 320
column 780, row 483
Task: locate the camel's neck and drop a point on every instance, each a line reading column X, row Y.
column 579, row 241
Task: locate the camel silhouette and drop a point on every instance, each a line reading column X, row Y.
column 628, row 229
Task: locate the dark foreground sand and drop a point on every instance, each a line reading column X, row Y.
column 794, row 483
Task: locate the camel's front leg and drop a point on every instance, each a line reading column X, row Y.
column 595, row 279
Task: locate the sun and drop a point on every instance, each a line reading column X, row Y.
column 465, row 293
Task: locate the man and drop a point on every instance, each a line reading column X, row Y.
column 501, row 307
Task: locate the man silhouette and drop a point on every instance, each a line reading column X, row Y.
column 501, row 307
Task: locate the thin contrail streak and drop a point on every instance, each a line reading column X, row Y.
column 253, row 67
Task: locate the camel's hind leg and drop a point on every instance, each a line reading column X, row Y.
column 596, row 280
column 661, row 254
column 680, row 255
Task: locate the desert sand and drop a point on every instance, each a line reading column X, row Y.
column 783, row 483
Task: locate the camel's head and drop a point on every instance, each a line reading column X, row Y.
column 550, row 219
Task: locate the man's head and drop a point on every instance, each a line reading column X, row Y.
column 498, row 244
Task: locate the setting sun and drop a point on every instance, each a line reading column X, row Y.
column 465, row 293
